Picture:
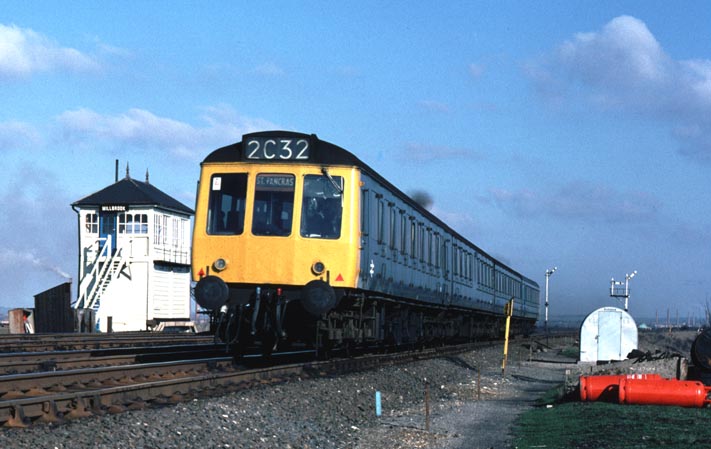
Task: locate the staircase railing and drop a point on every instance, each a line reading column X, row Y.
column 94, row 283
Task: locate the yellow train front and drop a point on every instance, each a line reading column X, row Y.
column 298, row 242
column 275, row 229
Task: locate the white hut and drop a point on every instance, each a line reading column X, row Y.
column 134, row 256
column 607, row 334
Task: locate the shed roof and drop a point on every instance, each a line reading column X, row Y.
column 133, row 193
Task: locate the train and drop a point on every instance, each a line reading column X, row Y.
column 298, row 243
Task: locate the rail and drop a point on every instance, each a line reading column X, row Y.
column 56, row 396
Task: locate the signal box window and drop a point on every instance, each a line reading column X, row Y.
column 228, row 193
column 92, row 223
column 322, row 207
column 273, row 204
column 133, row 224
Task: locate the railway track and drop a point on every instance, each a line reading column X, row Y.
column 27, row 362
column 60, row 395
column 69, row 342
column 51, row 396
column 54, row 396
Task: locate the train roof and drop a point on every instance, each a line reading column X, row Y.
column 321, row 152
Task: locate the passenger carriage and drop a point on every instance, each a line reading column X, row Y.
column 298, row 241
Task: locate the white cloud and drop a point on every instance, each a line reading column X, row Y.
column 347, row 71
column 624, row 51
column 417, row 153
column 24, row 51
column 624, row 67
column 34, row 204
column 16, row 134
column 10, row 258
column 476, row 70
column 269, row 69
column 580, row 201
column 143, row 129
column 434, row 106
column 459, row 220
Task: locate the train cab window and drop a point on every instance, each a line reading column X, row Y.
column 322, row 207
column 273, row 204
column 227, row 202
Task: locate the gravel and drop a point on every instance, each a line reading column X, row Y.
column 335, row 412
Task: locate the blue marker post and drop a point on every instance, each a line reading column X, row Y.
column 378, row 408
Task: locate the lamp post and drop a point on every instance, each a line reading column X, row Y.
column 548, row 274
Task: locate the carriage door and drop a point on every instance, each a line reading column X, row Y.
column 365, row 256
column 447, row 278
column 107, row 227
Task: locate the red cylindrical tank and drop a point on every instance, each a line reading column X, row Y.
column 684, row 393
column 606, row 388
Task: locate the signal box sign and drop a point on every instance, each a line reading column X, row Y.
column 114, row 207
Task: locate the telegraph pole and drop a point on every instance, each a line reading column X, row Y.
column 548, row 275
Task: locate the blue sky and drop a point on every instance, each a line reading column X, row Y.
column 569, row 134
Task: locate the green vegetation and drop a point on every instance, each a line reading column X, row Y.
column 571, row 352
column 600, row 425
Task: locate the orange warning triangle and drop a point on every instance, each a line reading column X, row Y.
column 339, row 278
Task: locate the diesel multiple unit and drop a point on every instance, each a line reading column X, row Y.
column 296, row 241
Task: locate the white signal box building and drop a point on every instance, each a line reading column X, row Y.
column 134, row 256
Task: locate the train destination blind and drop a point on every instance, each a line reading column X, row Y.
column 275, row 182
column 276, row 149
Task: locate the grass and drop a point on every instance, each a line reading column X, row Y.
column 601, row 425
column 571, row 352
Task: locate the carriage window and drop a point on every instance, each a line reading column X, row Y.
column 437, row 246
column 227, row 198
column 403, row 232
column 429, row 246
column 393, row 227
column 381, row 220
column 273, row 205
column 322, row 207
column 413, row 238
column 365, row 212
column 421, row 234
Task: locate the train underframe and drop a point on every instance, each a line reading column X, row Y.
column 269, row 321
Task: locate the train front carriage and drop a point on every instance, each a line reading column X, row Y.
column 275, row 232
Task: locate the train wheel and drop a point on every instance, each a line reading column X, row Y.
column 324, row 350
column 268, row 344
column 349, row 348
